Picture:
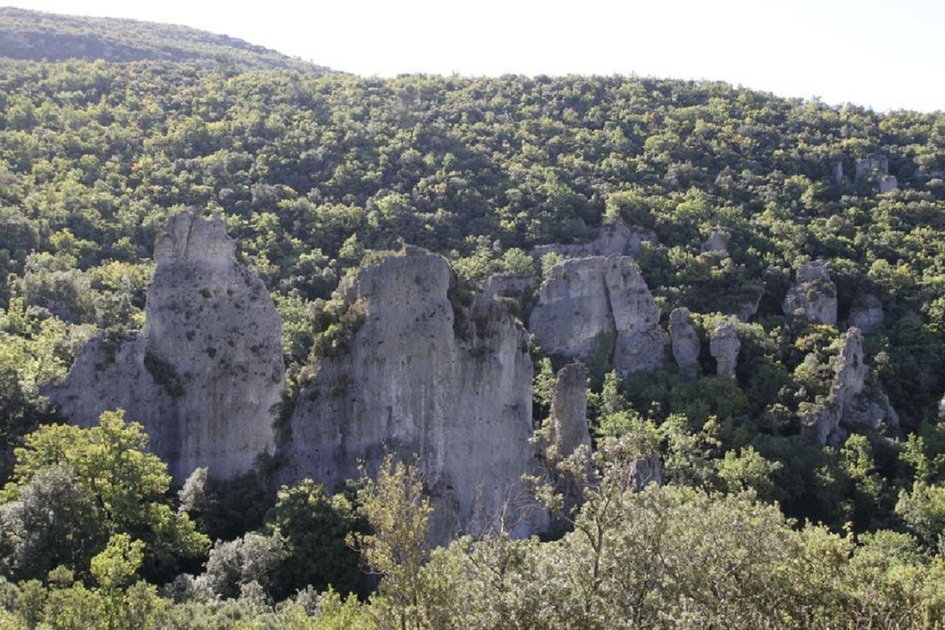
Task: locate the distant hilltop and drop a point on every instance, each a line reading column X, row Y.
column 37, row 36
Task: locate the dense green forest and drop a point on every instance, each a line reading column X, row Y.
column 755, row 526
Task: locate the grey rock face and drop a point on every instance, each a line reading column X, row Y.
column 453, row 390
column 207, row 369
column 867, row 313
column 748, row 309
column 872, row 165
column 724, row 346
column 854, row 403
column 569, row 410
column 586, row 302
column 717, row 243
column 612, row 240
column 518, row 288
column 888, row 183
column 685, row 342
column 814, row 296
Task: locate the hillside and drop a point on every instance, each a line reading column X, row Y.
column 736, row 295
column 36, row 36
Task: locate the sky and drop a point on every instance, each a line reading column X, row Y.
column 882, row 54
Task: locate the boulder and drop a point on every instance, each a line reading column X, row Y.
column 612, row 240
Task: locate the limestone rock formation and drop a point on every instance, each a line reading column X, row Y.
column 724, row 346
column 448, row 383
column 685, row 340
column 748, row 308
column 716, row 243
column 871, row 165
column 866, row 313
column 612, row 240
column 569, row 411
column 596, row 304
column 205, row 373
column 854, row 403
column 888, row 183
column 814, row 295
column 518, row 288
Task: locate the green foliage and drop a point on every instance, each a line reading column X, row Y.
column 226, row 509
column 164, row 375
column 317, row 173
column 398, row 513
column 315, row 527
column 108, row 485
column 115, row 566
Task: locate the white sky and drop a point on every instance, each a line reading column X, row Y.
column 884, row 54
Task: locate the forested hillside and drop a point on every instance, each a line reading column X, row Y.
column 35, row 36
column 316, row 173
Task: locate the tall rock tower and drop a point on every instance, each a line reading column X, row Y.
column 205, row 373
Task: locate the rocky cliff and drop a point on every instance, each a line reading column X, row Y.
column 568, row 422
column 599, row 305
column 447, row 382
column 612, row 240
column 856, row 402
column 813, row 296
column 205, row 372
column 685, row 342
column 724, row 346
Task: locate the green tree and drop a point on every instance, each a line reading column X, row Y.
column 398, row 513
column 315, row 526
column 107, row 473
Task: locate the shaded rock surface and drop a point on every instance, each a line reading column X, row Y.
column 599, row 305
column 451, row 385
column 716, row 243
column 569, row 411
column 724, row 346
column 685, row 342
column 856, row 403
column 867, row 313
column 519, row 288
column 814, row 295
column 205, row 372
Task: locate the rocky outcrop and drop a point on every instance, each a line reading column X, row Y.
column 717, row 243
column 871, row 165
column 888, row 183
column 447, row 383
column 685, row 341
column 204, row 374
column 867, row 313
column 814, row 295
column 599, row 306
column 748, row 308
column 612, row 240
column 855, row 403
column 724, row 346
column 518, row 288
column 568, row 426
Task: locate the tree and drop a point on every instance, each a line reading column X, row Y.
column 398, row 513
column 113, row 487
column 314, row 526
